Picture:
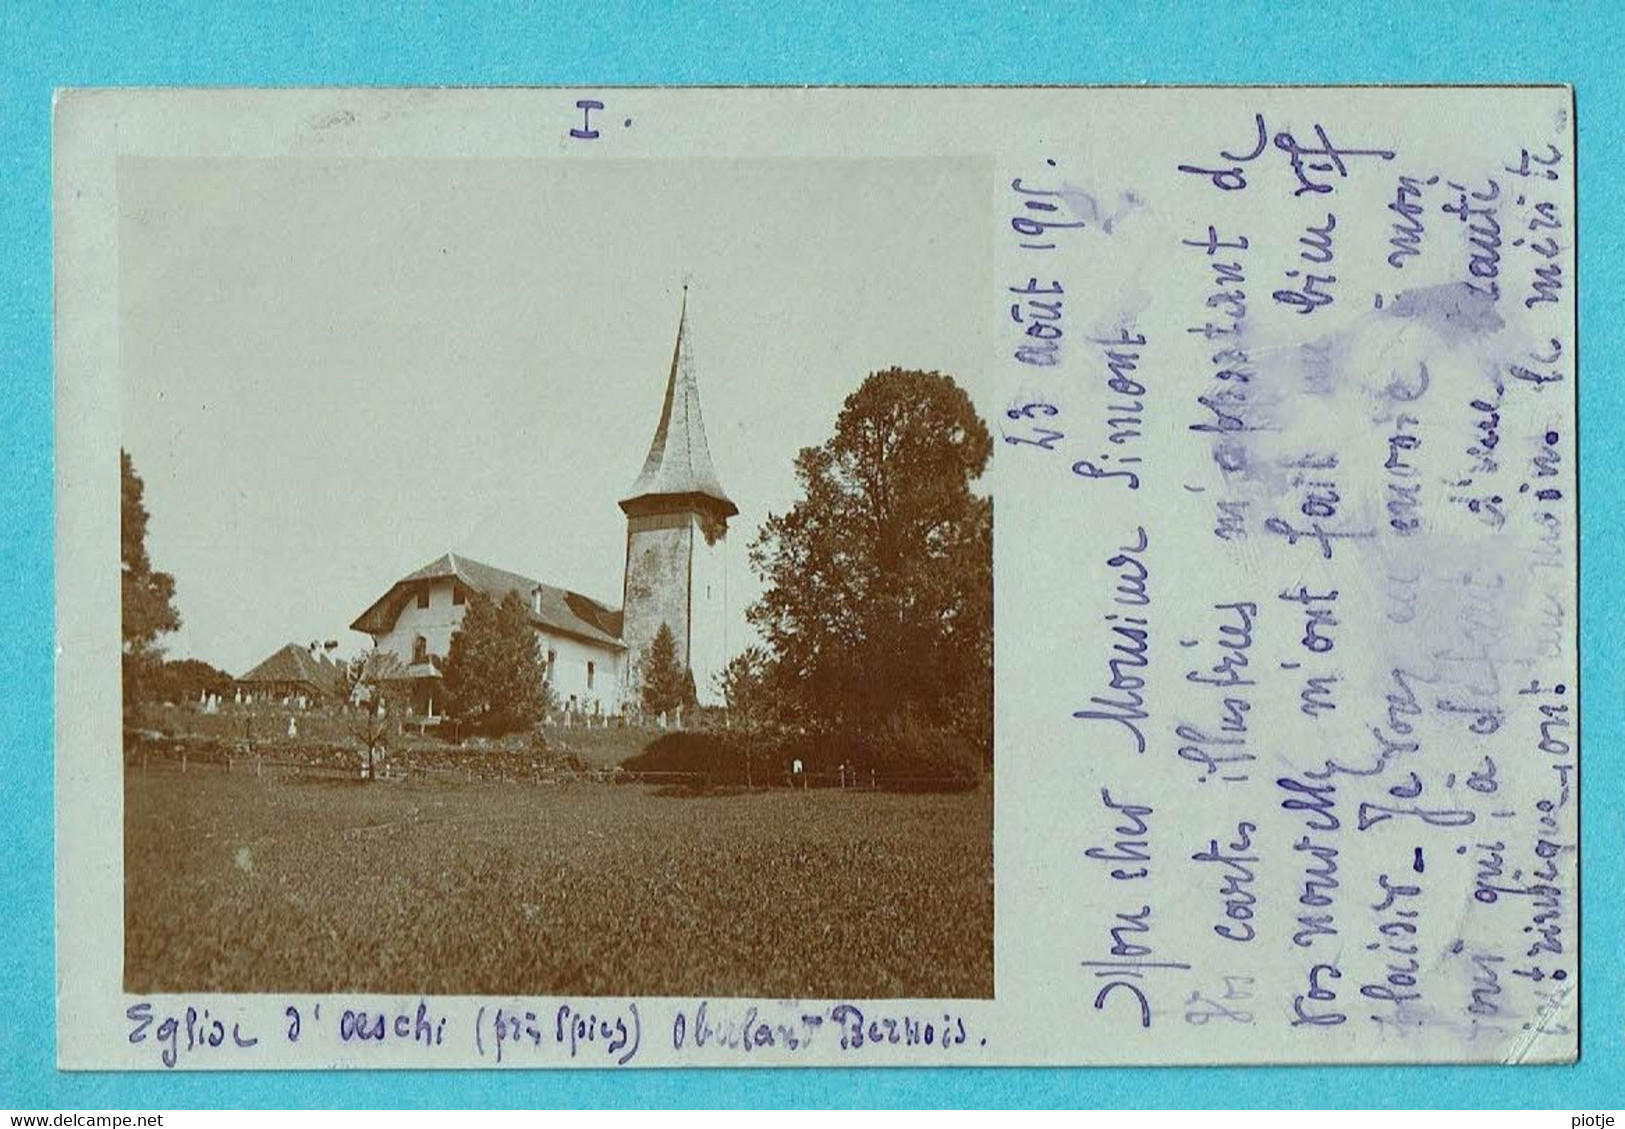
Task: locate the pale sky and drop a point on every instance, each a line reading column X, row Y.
column 335, row 371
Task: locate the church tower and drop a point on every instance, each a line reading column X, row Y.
column 676, row 521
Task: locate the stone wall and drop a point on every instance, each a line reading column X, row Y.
column 659, row 557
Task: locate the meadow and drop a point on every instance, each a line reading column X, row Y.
column 238, row 883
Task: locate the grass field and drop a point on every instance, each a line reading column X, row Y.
column 239, row 884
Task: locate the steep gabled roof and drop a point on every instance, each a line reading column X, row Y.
column 679, row 459
column 294, row 663
column 561, row 610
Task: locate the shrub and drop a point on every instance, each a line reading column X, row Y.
column 719, row 755
column 915, row 754
column 906, row 754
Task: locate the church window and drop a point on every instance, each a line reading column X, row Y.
column 458, row 596
column 423, row 596
column 420, row 649
column 590, row 672
column 552, row 658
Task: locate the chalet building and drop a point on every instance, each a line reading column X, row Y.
column 676, row 514
column 578, row 638
column 293, row 674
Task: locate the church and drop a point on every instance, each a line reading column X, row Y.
column 676, row 522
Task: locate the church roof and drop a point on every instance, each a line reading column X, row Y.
column 295, row 664
column 679, row 460
column 560, row 610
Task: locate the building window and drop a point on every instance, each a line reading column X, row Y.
column 552, row 658
column 590, row 673
column 458, row 596
column 420, row 650
column 423, row 596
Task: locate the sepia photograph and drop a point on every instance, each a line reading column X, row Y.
column 556, row 577
column 554, row 657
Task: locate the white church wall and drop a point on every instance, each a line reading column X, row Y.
column 584, row 674
column 709, row 642
column 673, row 576
column 435, row 623
column 597, row 690
column 657, row 585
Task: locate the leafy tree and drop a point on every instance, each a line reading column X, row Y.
column 746, row 690
column 744, row 687
column 183, row 680
column 879, row 580
column 494, row 675
column 361, row 684
column 667, row 684
column 148, row 595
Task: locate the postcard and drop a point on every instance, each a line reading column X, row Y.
column 723, row 577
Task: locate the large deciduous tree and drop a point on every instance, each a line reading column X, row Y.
column 183, row 680
column 879, row 592
column 148, row 596
column 494, row 673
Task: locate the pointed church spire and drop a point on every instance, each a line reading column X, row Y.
column 678, row 468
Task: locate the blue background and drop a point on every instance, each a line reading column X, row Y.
column 44, row 46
